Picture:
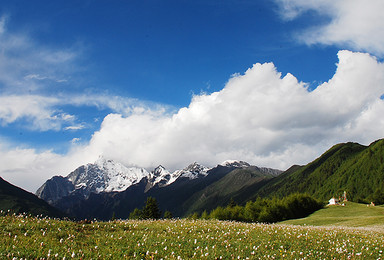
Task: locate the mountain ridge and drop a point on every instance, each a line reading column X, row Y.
column 172, row 189
column 105, row 175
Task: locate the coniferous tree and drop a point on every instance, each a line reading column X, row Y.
column 136, row 214
column 205, row 215
column 232, row 203
column 151, row 209
column 378, row 197
column 195, row 215
column 168, row 215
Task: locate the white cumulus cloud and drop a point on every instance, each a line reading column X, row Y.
column 260, row 116
column 355, row 24
column 29, row 168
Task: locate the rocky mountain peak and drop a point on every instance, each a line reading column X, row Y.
column 159, row 171
column 160, row 177
column 195, row 167
column 192, row 171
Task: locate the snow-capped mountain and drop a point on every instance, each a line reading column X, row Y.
column 242, row 164
column 102, row 176
column 106, row 176
column 109, row 176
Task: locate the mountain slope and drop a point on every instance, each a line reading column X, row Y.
column 104, row 205
column 350, row 167
column 174, row 196
column 18, row 201
column 239, row 184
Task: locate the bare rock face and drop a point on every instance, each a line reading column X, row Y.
column 54, row 189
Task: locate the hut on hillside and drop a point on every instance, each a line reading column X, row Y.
column 333, row 201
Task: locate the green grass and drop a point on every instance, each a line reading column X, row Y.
column 350, row 215
column 34, row 238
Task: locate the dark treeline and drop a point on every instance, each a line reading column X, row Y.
column 266, row 210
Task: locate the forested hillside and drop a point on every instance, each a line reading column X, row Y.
column 239, row 185
column 350, row 167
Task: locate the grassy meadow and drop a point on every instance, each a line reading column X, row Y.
column 350, row 215
column 43, row 238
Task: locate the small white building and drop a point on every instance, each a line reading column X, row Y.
column 333, row 201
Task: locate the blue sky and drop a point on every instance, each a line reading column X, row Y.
column 172, row 82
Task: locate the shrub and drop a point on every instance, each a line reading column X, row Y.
column 269, row 210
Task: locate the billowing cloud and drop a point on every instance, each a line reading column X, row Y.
column 354, row 24
column 260, row 116
column 30, row 168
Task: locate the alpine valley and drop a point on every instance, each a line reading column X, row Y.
column 107, row 189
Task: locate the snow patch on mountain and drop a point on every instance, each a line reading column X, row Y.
column 242, row 164
column 119, row 177
column 106, row 176
column 192, row 171
column 160, row 176
column 235, row 163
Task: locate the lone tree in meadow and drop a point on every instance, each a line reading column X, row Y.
column 151, row 209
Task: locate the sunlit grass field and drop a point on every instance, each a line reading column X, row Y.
column 350, row 215
column 30, row 237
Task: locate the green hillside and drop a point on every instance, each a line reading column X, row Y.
column 18, row 201
column 238, row 185
column 350, row 167
column 350, row 215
